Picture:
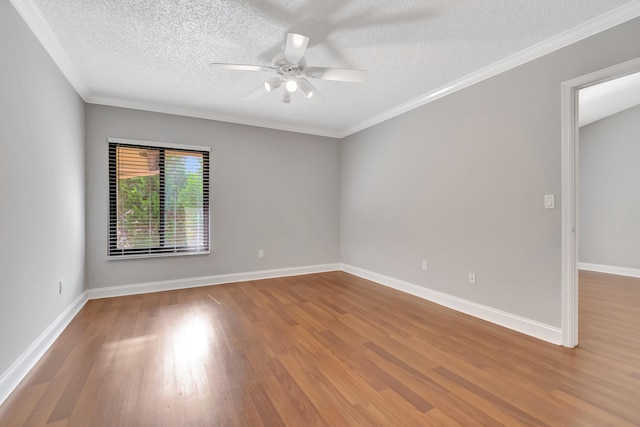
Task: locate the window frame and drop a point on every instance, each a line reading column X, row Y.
column 113, row 253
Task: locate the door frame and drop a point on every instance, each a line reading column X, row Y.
column 570, row 152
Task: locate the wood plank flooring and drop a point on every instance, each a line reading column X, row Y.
column 330, row 349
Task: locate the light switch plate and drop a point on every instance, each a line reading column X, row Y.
column 549, row 201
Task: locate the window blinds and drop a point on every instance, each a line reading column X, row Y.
column 158, row 200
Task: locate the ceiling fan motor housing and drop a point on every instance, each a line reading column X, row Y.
column 285, row 68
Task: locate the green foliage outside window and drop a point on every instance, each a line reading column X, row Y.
column 139, row 202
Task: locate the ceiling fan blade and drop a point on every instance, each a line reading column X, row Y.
column 241, row 67
column 337, row 74
column 295, row 48
column 256, row 93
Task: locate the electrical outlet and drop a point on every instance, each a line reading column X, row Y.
column 424, row 266
column 472, row 278
column 60, row 286
column 261, row 254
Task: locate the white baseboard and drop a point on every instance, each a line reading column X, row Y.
column 610, row 269
column 194, row 282
column 517, row 323
column 21, row 367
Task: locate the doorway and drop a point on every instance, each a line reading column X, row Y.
column 570, row 152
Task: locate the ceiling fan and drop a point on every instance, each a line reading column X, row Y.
column 292, row 69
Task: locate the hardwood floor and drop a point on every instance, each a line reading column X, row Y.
column 330, row 349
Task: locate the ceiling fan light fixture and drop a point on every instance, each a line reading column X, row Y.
column 306, row 88
column 291, row 67
column 272, row 84
column 299, row 40
column 291, row 85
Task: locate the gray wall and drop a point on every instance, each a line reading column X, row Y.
column 460, row 183
column 609, row 226
column 42, row 189
column 270, row 190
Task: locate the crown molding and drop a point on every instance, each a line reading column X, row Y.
column 36, row 22
column 209, row 115
column 594, row 26
column 39, row 26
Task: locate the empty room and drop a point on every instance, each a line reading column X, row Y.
column 321, row 213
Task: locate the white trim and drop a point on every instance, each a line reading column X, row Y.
column 511, row 321
column 171, row 145
column 610, row 269
column 21, row 367
column 194, row 282
column 594, row 26
column 209, row 115
column 34, row 19
column 570, row 147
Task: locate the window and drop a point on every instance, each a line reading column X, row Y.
column 158, row 199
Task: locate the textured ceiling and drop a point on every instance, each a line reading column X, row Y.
column 154, row 53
